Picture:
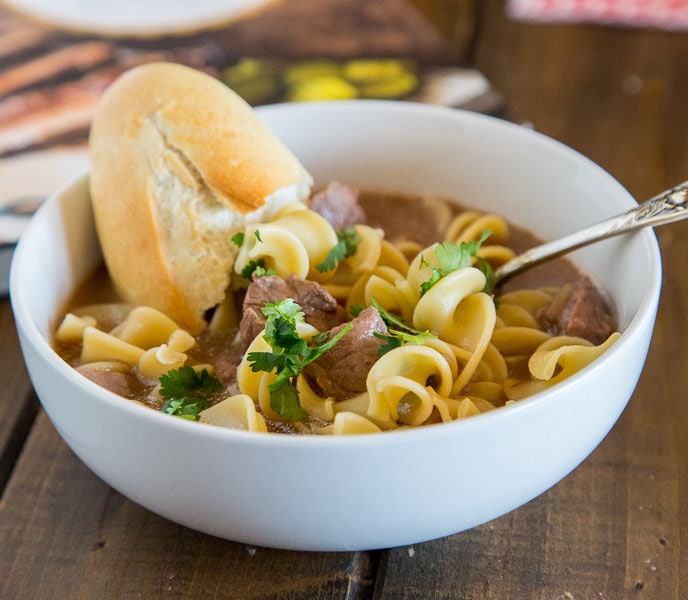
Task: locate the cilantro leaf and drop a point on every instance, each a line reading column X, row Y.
column 238, row 239
column 186, row 408
column 261, row 271
column 281, row 320
column 336, row 255
column 289, row 356
column 187, row 392
column 395, row 338
column 284, row 399
column 346, row 246
column 390, row 319
column 186, row 381
column 486, row 268
column 398, row 333
column 452, row 257
column 320, row 338
column 391, row 342
column 435, row 276
column 256, row 268
column 267, row 361
column 355, row 310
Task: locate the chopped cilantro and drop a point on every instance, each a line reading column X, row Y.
column 486, row 268
column 346, row 246
column 452, row 257
column 290, row 354
column 320, row 338
column 398, row 333
column 238, row 239
column 187, row 392
column 396, row 339
column 355, row 310
column 256, row 268
column 186, row 408
column 257, row 234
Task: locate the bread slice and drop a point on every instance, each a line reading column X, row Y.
column 179, row 163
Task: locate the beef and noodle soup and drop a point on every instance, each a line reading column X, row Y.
column 354, row 314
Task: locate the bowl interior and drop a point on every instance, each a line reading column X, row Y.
column 492, row 165
column 482, row 162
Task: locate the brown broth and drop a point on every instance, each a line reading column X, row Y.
column 391, row 212
column 429, row 216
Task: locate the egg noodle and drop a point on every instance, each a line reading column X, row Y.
column 465, row 351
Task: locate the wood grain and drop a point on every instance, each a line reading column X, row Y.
column 18, row 405
column 66, row 534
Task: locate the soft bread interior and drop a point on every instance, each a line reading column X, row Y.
column 170, row 185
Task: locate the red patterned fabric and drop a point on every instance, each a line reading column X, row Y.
column 664, row 14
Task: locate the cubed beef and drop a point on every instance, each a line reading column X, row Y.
column 320, row 308
column 115, row 381
column 338, row 205
column 342, row 371
column 579, row 310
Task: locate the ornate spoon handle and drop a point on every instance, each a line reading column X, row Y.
column 667, row 207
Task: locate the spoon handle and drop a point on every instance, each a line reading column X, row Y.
column 667, row 207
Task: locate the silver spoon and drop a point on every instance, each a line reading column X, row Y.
column 667, row 207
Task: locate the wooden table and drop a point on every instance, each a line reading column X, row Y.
column 617, row 527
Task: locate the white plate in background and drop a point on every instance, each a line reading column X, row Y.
column 147, row 18
column 27, row 176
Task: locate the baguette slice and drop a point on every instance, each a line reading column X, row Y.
column 179, row 163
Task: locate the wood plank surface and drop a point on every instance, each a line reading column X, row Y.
column 18, row 405
column 612, row 529
column 66, row 534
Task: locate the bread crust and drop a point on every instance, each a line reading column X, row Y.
column 179, row 163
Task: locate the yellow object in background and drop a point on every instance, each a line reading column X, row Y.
column 260, row 81
column 322, row 87
column 256, row 81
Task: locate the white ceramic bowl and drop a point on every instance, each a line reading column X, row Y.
column 368, row 491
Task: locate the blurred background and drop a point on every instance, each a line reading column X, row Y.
column 606, row 77
column 521, row 59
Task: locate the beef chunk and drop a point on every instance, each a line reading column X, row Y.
column 342, row 371
column 320, row 308
column 338, row 205
column 115, row 381
column 579, row 310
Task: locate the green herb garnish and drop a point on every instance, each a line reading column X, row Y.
column 290, row 354
column 187, row 392
column 355, row 310
column 238, row 239
column 452, row 257
column 486, row 268
column 398, row 333
column 346, row 246
column 256, row 268
column 396, row 339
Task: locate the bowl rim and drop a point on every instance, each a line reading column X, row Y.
column 642, row 318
